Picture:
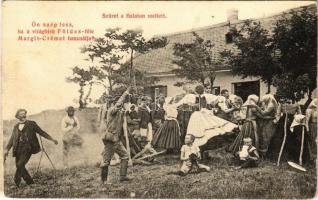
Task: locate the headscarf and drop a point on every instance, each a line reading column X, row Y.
column 251, row 99
column 269, row 98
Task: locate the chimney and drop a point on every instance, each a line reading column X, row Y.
column 232, row 15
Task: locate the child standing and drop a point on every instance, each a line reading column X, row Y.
column 190, row 154
column 248, row 155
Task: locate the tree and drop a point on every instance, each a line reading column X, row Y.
column 110, row 52
column 106, row 52
column 132, row 41
column 290, row 88
column 85, row 78
column 194, row 61
column 254, row 54
column 295, row 38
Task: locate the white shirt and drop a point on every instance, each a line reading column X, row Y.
column 188, row 150
column 68, row 123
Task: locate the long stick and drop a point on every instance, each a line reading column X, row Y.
column 283, row 144
column 127, row 139
column 302, row 146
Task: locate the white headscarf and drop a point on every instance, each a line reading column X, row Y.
column 251, row 99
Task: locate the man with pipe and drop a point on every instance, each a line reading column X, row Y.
column 24, row 143
column 111, row 139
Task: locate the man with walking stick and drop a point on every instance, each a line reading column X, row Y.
column 24, row 143
column 111, row 139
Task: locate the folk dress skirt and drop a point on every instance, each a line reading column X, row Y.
column 168, row 135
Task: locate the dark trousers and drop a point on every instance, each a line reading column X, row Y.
column 248, row 163
column 21, row 160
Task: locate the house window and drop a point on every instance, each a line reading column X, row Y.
column 216, row 90
column 154, row 91
column 228, row 38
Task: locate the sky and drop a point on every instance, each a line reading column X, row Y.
column 33, row 73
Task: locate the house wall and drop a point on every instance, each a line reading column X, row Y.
column 223, row 79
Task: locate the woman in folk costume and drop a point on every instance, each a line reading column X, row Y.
column 168, row 134
column 203, row 124
column 284, row 118
column 157, row 113
column 184, row 111
column 311, row 126
column 298, row 140
column 249, row 127
column 266, row 125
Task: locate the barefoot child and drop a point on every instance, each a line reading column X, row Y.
column 248, row 155
column 190, row 154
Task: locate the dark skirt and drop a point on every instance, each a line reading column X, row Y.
column 248, row 130
column 168, row 135
column 294, row 145
column 312, row 141
column 183, row 119
column 278, row 137
column 266, row 129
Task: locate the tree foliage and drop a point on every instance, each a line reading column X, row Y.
column 111, row 68
column 288, row 54
column 254, row 54
column 295, row 37
column 85, row 79
column 194, row 61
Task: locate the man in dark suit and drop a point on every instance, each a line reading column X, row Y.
column 24, row 143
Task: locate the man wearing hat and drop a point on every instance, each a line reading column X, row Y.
column 111, row 139
column 70, row 127
column 24, row 143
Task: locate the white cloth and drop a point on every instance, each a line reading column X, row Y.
column 147, row 132
column 171, row 111
column 68, row 125
column 245, row 152
column 21, row 126
column 298, row 120
column 188, row 150
column 205, row 125
column 211, row 99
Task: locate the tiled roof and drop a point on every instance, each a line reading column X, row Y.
column 159, row 61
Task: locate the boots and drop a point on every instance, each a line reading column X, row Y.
column 104, row 174
column 123, row 171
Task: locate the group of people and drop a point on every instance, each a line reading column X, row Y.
column 130, row 127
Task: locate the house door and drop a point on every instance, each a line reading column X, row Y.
column 244, row 89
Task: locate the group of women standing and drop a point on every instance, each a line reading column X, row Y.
column 278, row 129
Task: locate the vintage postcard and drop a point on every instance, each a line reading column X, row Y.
column 159, row 99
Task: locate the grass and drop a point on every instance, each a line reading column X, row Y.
column 155, row 181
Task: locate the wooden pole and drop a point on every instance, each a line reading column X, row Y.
column 125, row 127
column 302, row 146
column 284, row 140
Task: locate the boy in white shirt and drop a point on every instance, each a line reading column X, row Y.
column 190, row 154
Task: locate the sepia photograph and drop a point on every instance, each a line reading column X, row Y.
column 159, row 99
